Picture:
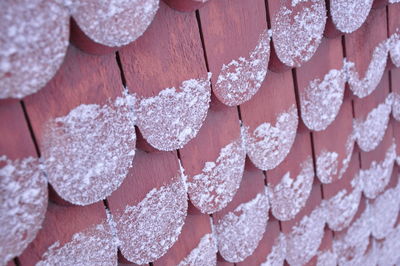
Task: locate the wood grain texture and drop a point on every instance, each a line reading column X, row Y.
column 168, row 53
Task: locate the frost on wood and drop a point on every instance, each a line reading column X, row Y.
column 267, row 146
column 239, row 232
column 289, row 196
column 394, row 48
column 172, row 118
column 389, row 248
column 370, row 132
column 114, row 22
column 321, row 101
column 93, row 246
column 377, row 176
column 327, row 258
column 328, row 169
column 396, row 106
column 239, row 80
column 297, row 30
column 341, row 208
column 278, row 252
column 385, row 210
column 351, row 246
column 205, row 254
column 23, row 204
column 348, row 16
column 88, row 152
column 305, row 238
column 33, row 39
column 214, row 188
column 365, row 86
column 147, row 230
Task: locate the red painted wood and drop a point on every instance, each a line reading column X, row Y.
column 186, row 5
column 395, row 86
column 361, row 43
column 393, row 17
column 196, row 226
column 15, row 141
column 330, row 29
column 60, row 224
column 380, row 3
column 231, row 29
column 168, row 53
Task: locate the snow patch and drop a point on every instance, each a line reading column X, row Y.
column 148, row 229
column 348, row 16
column 23, row 204
column 172, row 118
column 214, row 188
column 278, row 252
column 239, row 80
column 239, row 232
column 290, row 195
column 269, row 145
column 205, row 254
column 88, row 152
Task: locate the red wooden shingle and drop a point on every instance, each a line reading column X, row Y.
column 186, row 5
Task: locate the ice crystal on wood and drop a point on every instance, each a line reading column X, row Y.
column 297, row 30
column 88, row 152
column 268, row 145
column 365, row 86
column 240, row 79
column 278, row 252
column 172, row 118
column 239, row 232
column 321, row 100
column 305, row 238
column 114, row 22
column 369, row 133
column 93, row 246
column 348, row 16
column 205, row 254
column 33, row 39
column 23, row 204
column 290, row 195
column 377, row 176
column 147, row 230
column 214, row 188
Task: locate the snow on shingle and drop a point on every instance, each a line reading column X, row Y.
column 348, row 16
column 113, row 22
column 396, row 106
column 240, row 79
column 205, row 254
column 172, row 118
column 214, row 188
column 239, row 232
column 327, row 163
column 385, row 210
column 363, row 87
column 93, row 246
column 305, row 237
column 278, row 252
column 267, row 146
column 23, row 204
column 289, row 196
column 147, row 230
column 341, row 208
column 377, row 176
column 370, row 131
column 327, row 258
column 321, row 101
column 33, row 40
column 297, row 30
column 88, row 152
column 389, row 248
column 351, row 245
column 394, row 48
